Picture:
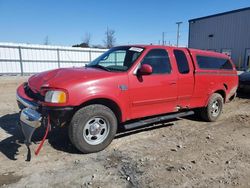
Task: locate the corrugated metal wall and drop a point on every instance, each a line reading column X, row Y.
column 28, row 58
column 226, row 31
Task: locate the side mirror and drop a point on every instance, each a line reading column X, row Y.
column 145, row 69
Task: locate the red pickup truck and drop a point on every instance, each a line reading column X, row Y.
column 127, row 87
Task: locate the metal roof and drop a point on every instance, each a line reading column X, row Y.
column 220, row 14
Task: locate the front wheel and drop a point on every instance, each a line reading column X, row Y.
column 214, row 108
column 92, row 128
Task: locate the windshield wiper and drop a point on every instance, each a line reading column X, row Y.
column 98, row 66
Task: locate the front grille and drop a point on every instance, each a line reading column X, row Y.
column 31, row 94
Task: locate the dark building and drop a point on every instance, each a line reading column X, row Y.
column 227, row 32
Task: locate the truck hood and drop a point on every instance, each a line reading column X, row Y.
column 65, row 77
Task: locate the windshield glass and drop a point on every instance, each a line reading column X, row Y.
column 117, row 59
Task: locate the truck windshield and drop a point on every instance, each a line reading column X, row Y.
column 117, row 59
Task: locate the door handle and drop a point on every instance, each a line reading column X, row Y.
column 172, row 83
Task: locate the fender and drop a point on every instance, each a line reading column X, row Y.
column 123, row 107
column 111, row 92
column 219, row 89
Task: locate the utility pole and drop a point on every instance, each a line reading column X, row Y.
column 163, row 38
column 178, row 32
column 107, row 35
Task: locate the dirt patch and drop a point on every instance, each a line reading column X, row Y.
column 8, row 178
column 183, row 152
column 242, row 118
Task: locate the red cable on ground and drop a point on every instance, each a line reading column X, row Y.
column 45, row 136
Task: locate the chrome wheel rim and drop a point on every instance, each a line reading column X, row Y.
column 96, row 130
column 215, row 109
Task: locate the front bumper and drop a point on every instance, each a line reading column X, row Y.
column 24, row 103
column 30, row 117
column 33, row 115
column 29, row 120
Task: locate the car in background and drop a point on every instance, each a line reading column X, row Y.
column 244, row 81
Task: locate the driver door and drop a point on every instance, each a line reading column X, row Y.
column 156, row 93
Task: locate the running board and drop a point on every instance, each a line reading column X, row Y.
column 157, row 119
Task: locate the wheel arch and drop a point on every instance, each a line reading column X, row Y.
column 106, row 102
column 222, row 93
column 219, row 91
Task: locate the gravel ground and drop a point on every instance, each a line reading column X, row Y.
column 180, row 153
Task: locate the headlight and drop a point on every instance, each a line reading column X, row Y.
column 55, row 96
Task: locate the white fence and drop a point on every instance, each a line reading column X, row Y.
column 27, row 59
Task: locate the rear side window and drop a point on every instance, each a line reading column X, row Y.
column 159, row 60
column 213, row 63
column 181, row 61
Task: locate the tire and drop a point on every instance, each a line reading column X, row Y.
column 214, row 108
column 92, row 128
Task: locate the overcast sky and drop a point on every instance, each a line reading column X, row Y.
column 65, row 22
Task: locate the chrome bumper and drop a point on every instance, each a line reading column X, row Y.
column 30, row 118
column 27, row 103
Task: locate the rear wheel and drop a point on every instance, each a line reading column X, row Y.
column 214, row 108
column 92, row 128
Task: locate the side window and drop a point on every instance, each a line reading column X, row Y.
column 181, row 61
column 213, row 63
column 159, row 60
